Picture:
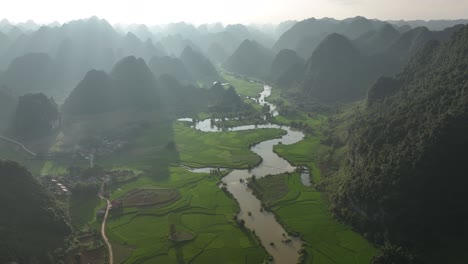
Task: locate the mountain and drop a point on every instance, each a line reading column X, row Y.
column 93, row 95
column 224, row 100
column 40, row 70
column 434, row 25
column 180, row 99
column 311, row 29
column 405, row 182
column 7, row 107
column 143, row 32
column 217, row 53
column 306, row 35
column 36, row 116
column 171, row 66
column 4, row 42
column 131, row 45
column 132, row 85
column 292, row 78
column 75, row 48
column 135, row 84
column 251, row 59
column 35, row 224
column 5, row 25
column 410, row 42
column 28, row 25
column 175, row 45
column 284, row 61
column 284, row 26
column 356, row 27
column 181, row 28
column 336, row 71
column 199, row 66
column 377, row 41
column 238, row 30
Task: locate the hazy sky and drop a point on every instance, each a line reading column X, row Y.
column 232, row 11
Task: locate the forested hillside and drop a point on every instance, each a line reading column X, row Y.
column 33, row 224
column 36, row 116
column 7, row 107
column 251, row 59
column 405, row 176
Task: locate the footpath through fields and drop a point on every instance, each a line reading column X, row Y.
column 103, row 227
column 19, row 144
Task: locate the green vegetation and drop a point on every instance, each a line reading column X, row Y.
column 34, row 224
column 305, row 153
column 199, row 67
column 392, row 166
column 8, row 104
column 193, row 148
column 82, row 209
column 9, row 151
column 308, row 151
column 243, row 86
column 250, row 59
column 224, row 101
column 171, row 66
column 36, row 116
column 284, row 61
column 203, row 210
column 149, row 197
column 303, row 210
column 222, row 149
column 409, row 143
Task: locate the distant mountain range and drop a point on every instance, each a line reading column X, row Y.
column 131, row 84
column 67, row 52
column 342, row 70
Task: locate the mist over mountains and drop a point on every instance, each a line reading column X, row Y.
column 381, row 107
column 303, row 58
column 74, row 48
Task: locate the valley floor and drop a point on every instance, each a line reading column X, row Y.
column 201, row 218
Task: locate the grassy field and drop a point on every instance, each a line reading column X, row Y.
column 243, row 87
column 193, row 148
column 223, row 149
column 147, row 197
column 37, row 166
column 9, row 151
column 306, row 152
column 203, row 210
column 302, row 209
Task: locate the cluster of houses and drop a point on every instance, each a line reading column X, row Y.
column 60, row 188
column 102, row 148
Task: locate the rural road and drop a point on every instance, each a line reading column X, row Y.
column 19, row 144
column 103, row 229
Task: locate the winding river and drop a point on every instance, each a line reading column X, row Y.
column 270, row 232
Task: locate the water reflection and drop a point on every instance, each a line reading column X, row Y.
column 283, row 248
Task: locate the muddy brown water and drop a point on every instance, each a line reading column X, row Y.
column 270, row 232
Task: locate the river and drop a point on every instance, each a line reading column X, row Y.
column 270, row 232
